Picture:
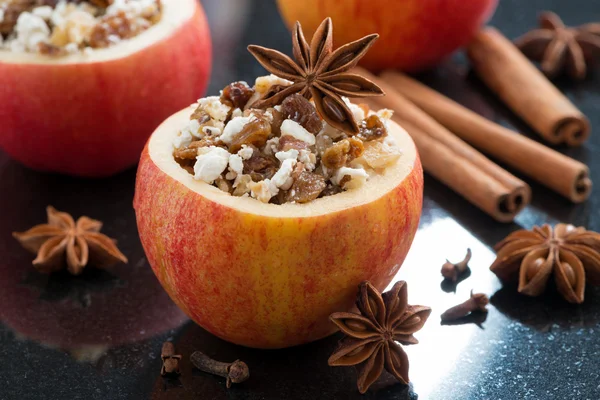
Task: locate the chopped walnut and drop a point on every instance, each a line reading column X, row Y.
column 342, row 153
column 50, row 49
column 287, row 143
column 191, row 151
column 307, row 187
column 111, row 28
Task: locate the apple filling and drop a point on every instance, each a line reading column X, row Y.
column 283, row 154
column 59, row 27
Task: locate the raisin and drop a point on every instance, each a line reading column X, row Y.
column 300, row 110
column 118, row 25
column 307, row 187
column 330, row 190
column 342, row 152
column 278, row 119
column 236, row 94
column 255, row 132
column 288, row 142
column 372, row 128
column 260, row 165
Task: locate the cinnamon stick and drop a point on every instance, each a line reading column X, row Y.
column 509, row 74
column 452, row 161
column 558, row 172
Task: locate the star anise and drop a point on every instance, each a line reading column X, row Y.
column 571, row 254
column 370, row 342
column 320, row 73
column 62, row 238
column 558, row 47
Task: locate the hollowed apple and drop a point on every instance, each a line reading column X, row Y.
column 267, row 275
column 90, row 115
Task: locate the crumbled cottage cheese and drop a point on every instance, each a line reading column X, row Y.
column 69, row 27
column 297, row 131
column 210, row 163
column 261, row 169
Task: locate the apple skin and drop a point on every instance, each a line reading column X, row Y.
column 93, row 119
column 268, row 282
column 414, row 34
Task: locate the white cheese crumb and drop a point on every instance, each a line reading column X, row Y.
column 182, row 140
column 278, row 107
column 236, row 164
column 282, row 178
column 357, row 112
column 211, row 130
column 297, row 131
column 236, row 113
column 291, row 154
column 72, row 48
column 30, row 31
column 210, row 163
column 193, row 128
column 246, row 152
column 234, row 127
column 213, row 107
column 1, row 15
column 308, row 159
column 358, row 177
column 271, row 146
column 44, row 12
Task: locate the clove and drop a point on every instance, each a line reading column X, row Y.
column 170, row 360
column 477, row 302
column 235, row 372
column 453, row 271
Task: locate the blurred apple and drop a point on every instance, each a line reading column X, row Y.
column 414, row 34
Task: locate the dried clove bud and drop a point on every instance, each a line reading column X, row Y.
column 476, row 302
column 170, row 360
column 235, row 372
column 452, row 271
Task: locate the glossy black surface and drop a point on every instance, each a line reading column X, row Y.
column 98, row 336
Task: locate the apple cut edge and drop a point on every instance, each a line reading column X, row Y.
column 160, row 150
column 174, row 15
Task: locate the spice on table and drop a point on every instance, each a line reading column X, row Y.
column 477, row 302
column 235, row 372
column 453, row 271
column 371, row 336
column 61, row 238
column 170, row 360
column 452, row 161
column 561, row 49
column 555, row 170
column 523, row 87
column 321, row 73
column 571, row 254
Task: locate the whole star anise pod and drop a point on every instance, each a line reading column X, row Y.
column 558, row 47
column 570, row 254
column 62, row 238
column 371, row 336
column 320, row 73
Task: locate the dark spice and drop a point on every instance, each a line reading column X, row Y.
column 235, row 372
column 477, row 302
column 170, row 360
column 453, row 271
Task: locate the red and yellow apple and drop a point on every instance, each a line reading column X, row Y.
column 90, row 115
column 267, row 275
column 414, row 34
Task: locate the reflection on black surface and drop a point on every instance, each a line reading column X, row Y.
column 61, row 286
column 449, row 286
column 549, row 309
column 299, row 372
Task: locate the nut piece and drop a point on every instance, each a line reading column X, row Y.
column 342, row 153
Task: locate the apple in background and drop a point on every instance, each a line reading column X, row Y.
column 90, row 115
column 267, row 275
column 414, row 34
